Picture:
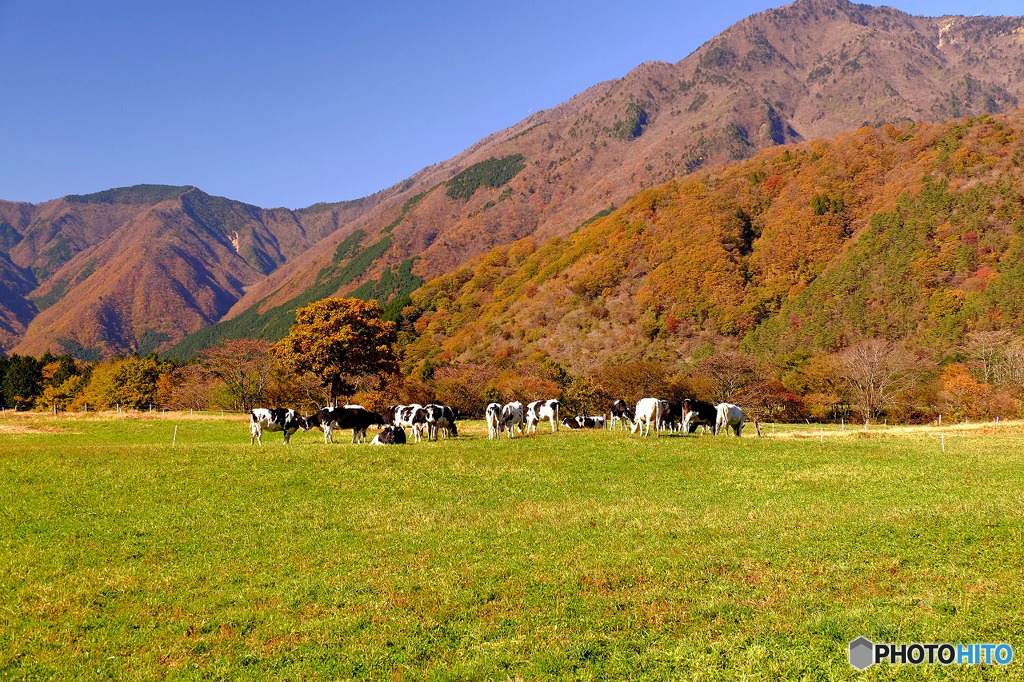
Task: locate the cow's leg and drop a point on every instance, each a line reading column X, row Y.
column 287, row 435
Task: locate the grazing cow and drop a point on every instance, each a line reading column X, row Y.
column 352, row 417
column 698, row 413
column 512, row 418
column 274, row 419
column 493, row 416
column 671, row 415
column 412, row 417
column 648, row 411
column 391, row 435
column 540, row 410
column 440, row 421
column 729, row 417
column 620, row 413
column 324, row 420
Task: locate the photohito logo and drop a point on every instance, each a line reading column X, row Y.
column 864, row 653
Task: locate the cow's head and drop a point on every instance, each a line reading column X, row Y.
column 376, row 419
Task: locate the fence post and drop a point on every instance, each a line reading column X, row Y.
column 821, row 433
column 943, row 442
column 174, row 439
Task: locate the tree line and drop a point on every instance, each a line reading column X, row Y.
column 344, row 349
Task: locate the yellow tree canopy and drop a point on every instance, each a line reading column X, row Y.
column 340, row 339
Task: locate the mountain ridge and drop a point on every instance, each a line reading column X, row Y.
column 808, row 70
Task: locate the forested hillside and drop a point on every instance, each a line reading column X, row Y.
column 911, row 233
column 810, row 69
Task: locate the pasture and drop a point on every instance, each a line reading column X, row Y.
column 578, row 555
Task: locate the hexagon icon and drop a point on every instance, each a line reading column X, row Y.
column 862, row 653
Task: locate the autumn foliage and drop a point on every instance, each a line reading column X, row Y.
column 341, row 341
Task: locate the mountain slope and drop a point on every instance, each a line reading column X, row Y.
column 810, row 69
column 909, row 232
column 135, row 269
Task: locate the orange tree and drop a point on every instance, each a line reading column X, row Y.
column 340, row 340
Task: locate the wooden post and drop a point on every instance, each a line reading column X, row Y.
column 174, row 440
column 821, row 433
column 943, row 442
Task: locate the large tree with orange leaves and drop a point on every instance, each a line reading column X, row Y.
column 340, row 340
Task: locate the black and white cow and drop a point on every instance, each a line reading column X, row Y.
column 440, row 421
column 671, row 415
column 572, row 423
column 590, row 422
column 354, row 417
column 493, row 416
column 412, row 417
column 538, row 411
column 620, row 414
column 274, row 419
column 697, row 413
column 512, row 418
column 391, row 435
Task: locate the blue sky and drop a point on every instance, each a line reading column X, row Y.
column 290, row 103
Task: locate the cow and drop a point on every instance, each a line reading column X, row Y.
column 540, row 410
column 729, row 417
column 354, row 417
column 648, row 411
column 412, row 417
column 572, row 423
column 591, row 422
column 274, row 419
column 671, row 415
column 391, row 435
column 620, row 412
column 698, row 413
column 511, row 418
column 440, row 421
column 493, row 416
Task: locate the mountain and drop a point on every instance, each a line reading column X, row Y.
column 912, row 233
column 147, row 267
column 811, row 69
column 133, row 269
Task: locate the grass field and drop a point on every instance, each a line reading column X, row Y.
column 575, row 555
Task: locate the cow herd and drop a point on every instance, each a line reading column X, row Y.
column 439, row 421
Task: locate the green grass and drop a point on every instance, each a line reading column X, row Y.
column 575, row 555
